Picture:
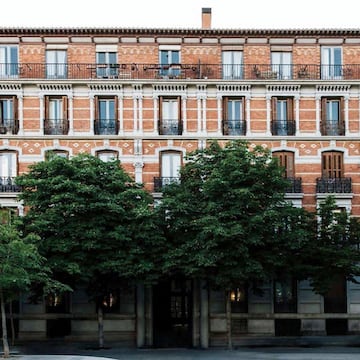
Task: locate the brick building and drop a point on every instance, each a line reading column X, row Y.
column 149, row 96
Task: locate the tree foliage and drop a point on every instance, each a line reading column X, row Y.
column 228, row 211
column 94, row 222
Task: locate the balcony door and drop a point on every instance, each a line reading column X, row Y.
column 170, row 167
column 331, row 63
column 232, row 62
column 8, row 170
column 281, row 64
column 170, row 121
column 286, row 161
column 332, row 116
column 168, row 58
column 56, row 116
column 106, row 64
column 332, row 165
column 56, row 67
column 283, row 122
column 8, row 115
column 234, row 116
column 8, row 61
column 106, row 122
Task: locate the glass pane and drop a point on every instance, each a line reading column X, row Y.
column 170, row 165
column 112, row 58
column 164, row 58
column 100, row 58
column 175, row 57
column 7, row 165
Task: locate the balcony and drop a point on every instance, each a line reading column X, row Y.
column 334, row 185
column 234, row 127
column 161, row 182
column 106, row 127
column 9, row 126
column 332, row 127
column 138, row 71
column 56, row 126
column 295, row 186
column 283, row 127
column 170, row 127
column 7, row 184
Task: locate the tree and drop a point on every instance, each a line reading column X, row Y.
column 96, row 225
column 337, row 252
column 21, row 266
column 228, row 211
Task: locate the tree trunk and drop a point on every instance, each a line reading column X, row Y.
column 3, row 323
column 101, row 327
column 12, row 324
column 228, row 320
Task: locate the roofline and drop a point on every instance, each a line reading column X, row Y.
column 23, row 31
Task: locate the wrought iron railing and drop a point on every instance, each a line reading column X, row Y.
column 133, row 71
column 7, row 184
column 106, row 127
column 9, row 126
column 295, row 186
column 283, row 127
column 333, row 185
column 332, row 127
column 160, row 182
column 56, row 126
column 234, row 127
column 170, row 127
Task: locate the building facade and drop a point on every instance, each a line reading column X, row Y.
column 148, row 97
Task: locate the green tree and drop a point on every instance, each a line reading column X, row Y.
column 96, row 225
column 21, row 266
column 337, row 252
column 228, row 211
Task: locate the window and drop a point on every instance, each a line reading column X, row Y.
column 169, row 62
column 232, row 64
column 239, row 299
column 170, row 116
column 107, row 155
column 107, row 65
column 106, row 115
column 9, row 61
column 331, row 63
column 8, row 171
column 56, row 64
column 51, row 154
column 332, row 116
column 286, row 160
column 332, row 164
column 234, row 116
column 282, row 113
column 281, row 64
column 333, row 180
column 56, row 115
column 285, row 296
column 9, row 122
column 170, row 163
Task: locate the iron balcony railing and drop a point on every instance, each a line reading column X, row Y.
column 333, row 185
column 9, row 126
column 283, row 127
column 141, row 71
column 332, row 127
column 234, row 127
column 295, row 186
column 161, row 182
column 106, row 127
column 56, row 126
column 7, row 184
column 170, row 127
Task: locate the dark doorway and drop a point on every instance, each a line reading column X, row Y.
column 172, row 310
column 335, row 300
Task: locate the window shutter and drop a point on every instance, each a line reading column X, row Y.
column 15, row 115
column 225, row 115
column 47, row 107
column 160, row 114
column 332, row 165
column 65, row 120
column 179, row 115
column 286, row 160
column 342, row 117
column 290, row 108
column 116, row 120
column 323, row 116
column 274, row 108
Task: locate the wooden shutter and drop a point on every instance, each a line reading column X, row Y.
column 290, row 109
column 179, row 116
column 96, row 115
column 116, row 120
column 341, row 117
column 225, row 115
column 323, row 116
column 47, row 107
column 286, row 160
column 274, row 101
column 65, row 117
column 332, row 164
column 161, row 99
column 16, row 114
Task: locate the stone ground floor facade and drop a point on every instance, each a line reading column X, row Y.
column 184, row 313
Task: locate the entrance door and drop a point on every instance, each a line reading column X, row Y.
column 172, row 310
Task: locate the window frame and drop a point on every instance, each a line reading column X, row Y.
column 167, row 125
column 231, row 125
column 331, row 127
column 55, row 68
column 56, row 126
column 106, row 125
column 286, row 126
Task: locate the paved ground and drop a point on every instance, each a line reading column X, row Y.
column 83, row 351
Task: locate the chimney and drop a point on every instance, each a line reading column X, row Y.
column 206, row 18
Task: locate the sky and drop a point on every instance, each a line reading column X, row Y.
column 226, row 14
